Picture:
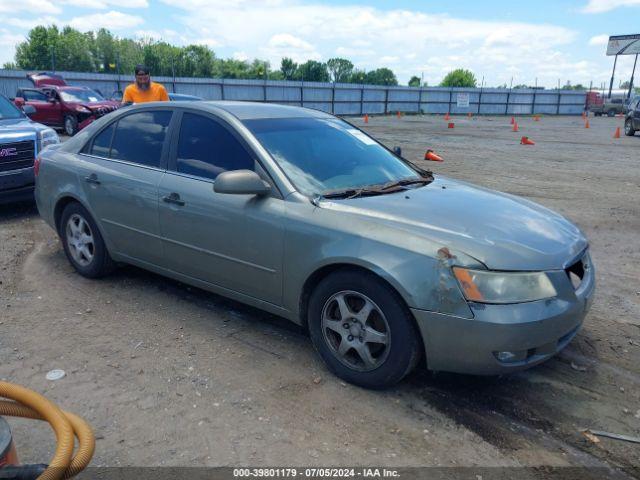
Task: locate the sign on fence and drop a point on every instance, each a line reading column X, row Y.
column 462, row 100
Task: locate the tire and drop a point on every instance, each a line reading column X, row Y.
column 70, row 125
column 628, row 128
column 598, row 114
column 395, row 346
column 611, row 113
column 83, row 244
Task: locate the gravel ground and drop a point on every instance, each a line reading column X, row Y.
column 171, row 375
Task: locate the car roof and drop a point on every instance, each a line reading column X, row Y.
column 240, row 110
column 256, row 110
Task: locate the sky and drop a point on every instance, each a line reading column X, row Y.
column 539, row 41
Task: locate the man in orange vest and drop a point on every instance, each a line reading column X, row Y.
column 144, row 90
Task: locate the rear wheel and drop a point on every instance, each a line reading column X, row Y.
column 362, row 329
column 611, row 113
column 628, row 128
column 70, row 125
column 83, row 244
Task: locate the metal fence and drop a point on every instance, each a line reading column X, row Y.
column 340, row 98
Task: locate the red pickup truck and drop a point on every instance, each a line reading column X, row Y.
column 63, row 106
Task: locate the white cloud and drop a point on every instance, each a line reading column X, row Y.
column 408, row 41
column 29, row 23
column 601, row 6
column 8, row 42
column 112, row 20
column 39, row 7
column 599, row 40
column 103, row 4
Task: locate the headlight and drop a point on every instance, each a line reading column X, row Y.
column 82, row 109
column 503, row 287
column 47, row 137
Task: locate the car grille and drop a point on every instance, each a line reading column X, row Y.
column 102, row 111
column 16, row 155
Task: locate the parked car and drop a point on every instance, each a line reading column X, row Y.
column 632, row 118
column 608, row 106
column 174, row 97
column 301, row 214
column 62, row 106
column 21, row 140
column 629, row 102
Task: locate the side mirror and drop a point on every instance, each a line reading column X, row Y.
column 29, row 110
column 397, row 151
column 51, row 100
column 241, row 182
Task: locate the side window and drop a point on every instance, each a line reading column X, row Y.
column 31, row 95
column 102, row 142
column 207, row 149
column 139, row 137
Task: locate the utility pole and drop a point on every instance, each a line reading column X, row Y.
column 615, row 60
column 633, row 72
column 53, row 60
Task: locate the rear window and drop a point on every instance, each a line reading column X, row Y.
column 139, row 137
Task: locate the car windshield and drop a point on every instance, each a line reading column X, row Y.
column 85, row 96
column 8, row 110
column 322, row 155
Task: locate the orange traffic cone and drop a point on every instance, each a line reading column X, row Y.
column 446, row 116
column 536, row 118
column 366, row 118
column 398, row 113
column 586, row 123
column 430, row 155
column 469, row 114
column 451, row 125
column 515, row 127
column 584, row 114
column 617, row 134
column 526, row 141
column 513, row 120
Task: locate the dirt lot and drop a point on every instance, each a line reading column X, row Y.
column 171, row 375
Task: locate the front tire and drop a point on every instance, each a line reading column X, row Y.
column 70, row 125
column 363, row 330
column 83, row 244
column 628, row 128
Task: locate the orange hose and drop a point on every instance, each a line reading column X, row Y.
column 29, row 404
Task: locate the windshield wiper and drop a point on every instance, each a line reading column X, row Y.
column 403, row 183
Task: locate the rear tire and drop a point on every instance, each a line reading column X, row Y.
column 628, row 128
column 363, row 330
column 83, row 244
column 611, row 113
column 70, row 125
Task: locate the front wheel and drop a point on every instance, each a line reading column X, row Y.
column 83, row 244
column 628, row 128
column 362, row 329
column 70, row 125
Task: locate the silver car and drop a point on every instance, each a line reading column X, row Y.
column 303, row 215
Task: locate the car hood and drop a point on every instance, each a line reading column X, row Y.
column 19, row 126
column 502, row 231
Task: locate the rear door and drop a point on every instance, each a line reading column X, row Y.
column 45, row 110
column 124, row 164
column 232, row 241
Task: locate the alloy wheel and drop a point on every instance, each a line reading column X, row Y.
column 80, row 240
column 356, row 330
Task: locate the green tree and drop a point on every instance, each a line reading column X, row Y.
column 414, row 81
column 339, row 69
column 106, row 48
column 288, row 68
column 312, row 71
column 35, row 52
column 459, row 78
column 357, row 76
column 195, row 61
column 381, row 76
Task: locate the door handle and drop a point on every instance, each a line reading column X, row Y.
column 93, row 179
column 173, row 198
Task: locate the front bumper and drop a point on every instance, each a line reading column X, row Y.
column 533, row 331
column 16, row 185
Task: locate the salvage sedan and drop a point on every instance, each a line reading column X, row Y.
column 303, row 215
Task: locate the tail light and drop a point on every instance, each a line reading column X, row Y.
column 36, row 166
